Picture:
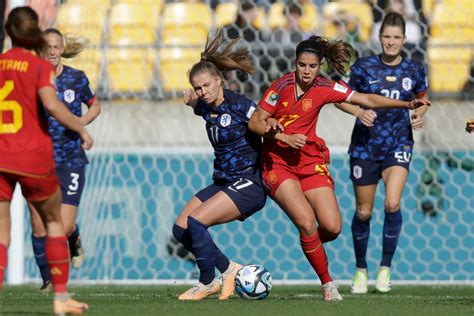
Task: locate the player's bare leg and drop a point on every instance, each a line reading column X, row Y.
column 57, row 254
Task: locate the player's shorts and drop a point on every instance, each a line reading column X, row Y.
column 247, row 193
column 72, row 184
column 367, row 172
column 310, row 177
column 33, row 189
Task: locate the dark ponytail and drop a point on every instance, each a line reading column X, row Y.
column 23, row 28
column 336, row 52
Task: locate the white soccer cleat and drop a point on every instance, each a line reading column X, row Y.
column 200, row 291
column 330, row 292
column 228, row 280
column 359, row 283
column 383, row 284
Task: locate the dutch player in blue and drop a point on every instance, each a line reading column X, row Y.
column 73, row 90
column 237, row 191
column 382, row 144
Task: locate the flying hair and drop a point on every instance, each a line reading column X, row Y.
column 219, row 56
column 73, row 44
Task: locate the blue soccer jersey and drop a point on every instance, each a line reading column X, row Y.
column 72, row 89
column 392, row 130
column 236, row 148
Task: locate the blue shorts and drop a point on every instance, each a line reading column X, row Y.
column 367, row 172
column 72, row 184
column 247, row 193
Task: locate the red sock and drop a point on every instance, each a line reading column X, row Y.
column 57, row 254
column 3, row 262
column 314, row 252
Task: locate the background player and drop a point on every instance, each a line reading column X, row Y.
column 295, row 159
column 73, row 90
column 237, row 191
column 382, row 145
column 26, row 151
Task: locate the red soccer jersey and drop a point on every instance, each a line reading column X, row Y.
column 299, row 116
column 25, row 144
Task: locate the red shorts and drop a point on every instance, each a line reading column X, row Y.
column 33, row 189
column 310, row 177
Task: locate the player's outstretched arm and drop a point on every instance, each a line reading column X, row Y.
column 190, row 98
column 367, row 117
column 375, row 101
column 60, row 112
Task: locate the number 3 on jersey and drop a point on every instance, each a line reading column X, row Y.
column 9, row 106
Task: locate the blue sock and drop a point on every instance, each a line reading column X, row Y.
column 360, row 237
column 182, row 235
column 392, row 226
column 204, row 250
column 39, row 249
column 72, row 239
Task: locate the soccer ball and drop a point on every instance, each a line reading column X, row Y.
column 253, row 282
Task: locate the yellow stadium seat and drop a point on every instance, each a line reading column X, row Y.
column 452, row 24
column 362, row 11
column 132, row 35
column 130, row 69
column 174, row 66
column 176, row 15
column 126, row 14
column 310, row 19
column 100, row 4
column 226, row 13
column 90, row 62
column 276, row 15
column 449, row 68
column 184, row 36
column 82, row 19
column 157, row 3
column 260, row 21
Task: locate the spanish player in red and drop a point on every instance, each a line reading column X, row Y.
column 26, row 151
column 295, row 159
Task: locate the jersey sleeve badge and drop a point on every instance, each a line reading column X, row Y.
column 272, row 98
column 340, row 88
column 406, row 84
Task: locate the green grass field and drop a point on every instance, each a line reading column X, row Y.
column 283, row 300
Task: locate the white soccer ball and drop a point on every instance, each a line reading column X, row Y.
column 253, row 282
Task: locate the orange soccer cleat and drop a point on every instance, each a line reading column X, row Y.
column 69, row 306
column 228, row 278
column 200, row 291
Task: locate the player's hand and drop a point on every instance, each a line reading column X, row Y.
column 87, row 140
column 273, row 126
column 296, row 141
column 416, row 103
column 367, row 117
column 190, row 97
column 416, row 121
column 470, row 126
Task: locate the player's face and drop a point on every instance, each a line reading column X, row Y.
column 392, row 40
column 54, row 48
column 207, row 86
column 307, row 67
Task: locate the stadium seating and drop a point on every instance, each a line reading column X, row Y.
column 449, row 68
column 130, row 70
column 126, row 14
column 452, row 24
column 276, row 15
column 226, row 13
column 84, row 19
column 174, row 66
column 132, row 35
column 362, row 11
column 310, row 20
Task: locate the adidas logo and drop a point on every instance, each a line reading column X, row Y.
column 55, row 271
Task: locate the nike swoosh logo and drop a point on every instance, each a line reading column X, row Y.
column 71, row 192
column 391, row 236
column 373, row 81
column 360, row 237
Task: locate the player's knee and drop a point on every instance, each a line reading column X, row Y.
column 69, row 228
column 364, row 213
column 392, row 205
column 306, row 228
